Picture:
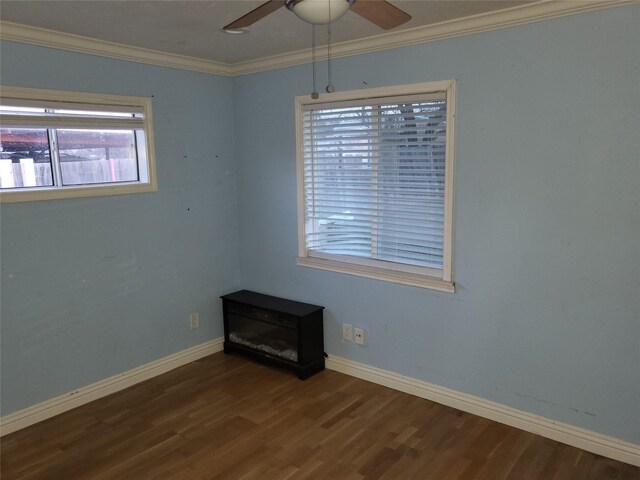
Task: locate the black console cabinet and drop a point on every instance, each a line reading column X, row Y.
column 274, row 330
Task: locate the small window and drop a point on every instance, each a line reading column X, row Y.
column 375, row 183
column 63, row 144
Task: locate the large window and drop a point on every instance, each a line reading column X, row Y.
column 62, row 144
column 375, row 183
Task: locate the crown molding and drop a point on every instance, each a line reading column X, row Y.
column 16, row 32
column 510, row 17
column 483, row 22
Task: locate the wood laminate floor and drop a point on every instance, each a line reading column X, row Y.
column 225, row 417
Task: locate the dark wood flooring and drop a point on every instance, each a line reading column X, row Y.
column 225, row 417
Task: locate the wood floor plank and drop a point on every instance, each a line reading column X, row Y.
column 226, row 418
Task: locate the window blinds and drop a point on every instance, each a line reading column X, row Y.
column 21, row 112
column 374, row 180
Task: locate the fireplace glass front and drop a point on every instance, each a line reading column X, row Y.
column 271, row 337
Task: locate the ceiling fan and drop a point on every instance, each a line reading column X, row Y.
column 319, row 12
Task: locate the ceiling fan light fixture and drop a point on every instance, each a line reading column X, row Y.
column 319, row 12
column 235, row 31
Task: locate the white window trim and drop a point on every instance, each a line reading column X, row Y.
column 94, row 190
column 443, row 282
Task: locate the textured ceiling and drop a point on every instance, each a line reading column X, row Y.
column 193, row 27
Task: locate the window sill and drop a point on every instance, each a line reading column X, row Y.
column 32, row 195
column 378, row 274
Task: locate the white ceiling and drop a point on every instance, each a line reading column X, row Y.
column 193, row 27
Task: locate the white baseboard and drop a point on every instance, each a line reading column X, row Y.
column 55, row 406
column 577, row 437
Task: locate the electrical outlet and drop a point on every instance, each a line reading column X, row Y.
column 359, row 334
column 347, row 332
column 195, row 320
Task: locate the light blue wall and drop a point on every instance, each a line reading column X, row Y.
column 96, row 286
column 546, row 317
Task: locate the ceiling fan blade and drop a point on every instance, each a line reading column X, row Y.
column 255, row 14
column 380, row 12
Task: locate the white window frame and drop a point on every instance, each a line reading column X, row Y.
column 35, row 97
column 441, row 280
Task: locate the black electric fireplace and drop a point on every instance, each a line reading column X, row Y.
column 274, row 330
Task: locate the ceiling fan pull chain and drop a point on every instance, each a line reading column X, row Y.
column 314, row 94
column 330, row 88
